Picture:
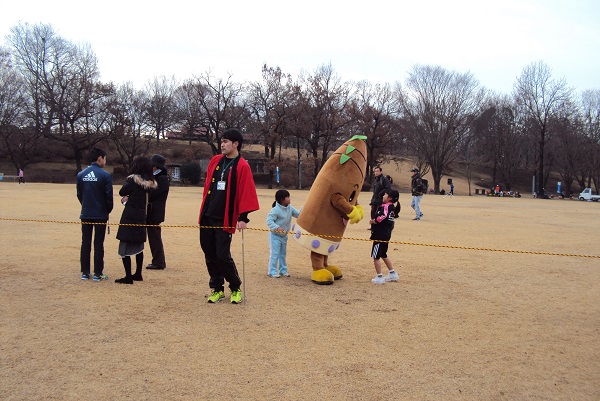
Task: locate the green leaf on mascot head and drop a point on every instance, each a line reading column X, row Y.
column 344, row 158
column 349, row 149
column 361, row 137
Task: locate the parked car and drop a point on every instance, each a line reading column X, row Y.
column 588, row 195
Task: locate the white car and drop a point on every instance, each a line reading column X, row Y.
column 588, row 195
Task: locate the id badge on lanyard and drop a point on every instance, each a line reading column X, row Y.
column 221, row 184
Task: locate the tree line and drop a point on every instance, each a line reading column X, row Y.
column 50, row 90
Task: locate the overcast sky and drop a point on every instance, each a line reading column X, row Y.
column 378, row 41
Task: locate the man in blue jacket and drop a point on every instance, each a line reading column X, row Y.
column 95, row 193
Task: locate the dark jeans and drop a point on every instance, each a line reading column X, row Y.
column 86, row 245
column 374, row 207
column 156, row 245
column 216, row 245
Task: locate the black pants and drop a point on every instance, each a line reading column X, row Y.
column 86, row 245
column 156, row 245
column 374, row 207
column 216, row 245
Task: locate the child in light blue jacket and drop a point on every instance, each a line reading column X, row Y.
column 279, row 221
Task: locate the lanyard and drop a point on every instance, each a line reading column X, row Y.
column 226, row 167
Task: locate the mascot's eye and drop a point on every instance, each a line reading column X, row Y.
column 352, row 195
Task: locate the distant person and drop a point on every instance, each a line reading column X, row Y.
column 452, row 189
column 132, row 227
column 157, row 204
column 279, row 221
column 417, row 193
column 383, row 225
column 95, row 193
column 380, row 185
column 229, row 196
column 21, row 176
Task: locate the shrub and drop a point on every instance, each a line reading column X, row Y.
column 190, row 173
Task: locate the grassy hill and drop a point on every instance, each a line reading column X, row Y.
column 62, row 171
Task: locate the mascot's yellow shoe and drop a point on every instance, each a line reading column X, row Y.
column 336, row 271
column 322, row 276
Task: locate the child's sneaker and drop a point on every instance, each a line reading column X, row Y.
column 276, row 275
column 378, row 280
column 100, row 277
column 85, row 276
column 392, row 277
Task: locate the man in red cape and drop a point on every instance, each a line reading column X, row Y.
column 229, row 196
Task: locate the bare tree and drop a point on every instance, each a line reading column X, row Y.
column 569, row 148
column 128, row 123
column 188, row 109
column 268, row 105
column 540, row 97
column 439, row 107
column 222, row 104
column 17, row 142
column 161, row 112
column 590, row 168
column 328, row 109
column 62, row 81
column 499, row 137
column 376, row 115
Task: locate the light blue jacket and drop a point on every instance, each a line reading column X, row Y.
column 281, row 216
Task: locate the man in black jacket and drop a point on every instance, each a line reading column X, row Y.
column 381, row 185
column 157, row 203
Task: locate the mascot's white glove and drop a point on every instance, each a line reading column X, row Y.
column 356, row 214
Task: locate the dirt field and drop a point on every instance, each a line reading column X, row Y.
column 460, row 325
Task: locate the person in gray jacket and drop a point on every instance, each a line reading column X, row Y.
column 95, row 194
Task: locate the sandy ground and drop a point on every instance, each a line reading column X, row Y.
column 461, row 324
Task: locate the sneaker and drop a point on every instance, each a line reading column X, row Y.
column 378, row 280
column 215, row 297
column 85, row 276
column 276, row 275
column 392, row 277
column 236, row 297
column 417, row 218
column 101, row 277
column 285, row 274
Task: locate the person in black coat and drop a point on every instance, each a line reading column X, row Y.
column 133, row 235
column 380, row 186
column 156, row 212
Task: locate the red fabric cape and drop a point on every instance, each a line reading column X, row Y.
column 246, row 200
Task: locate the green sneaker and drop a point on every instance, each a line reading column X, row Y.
column 236, row 297
column 215, row 297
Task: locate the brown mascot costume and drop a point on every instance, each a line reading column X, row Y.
column 332, row 203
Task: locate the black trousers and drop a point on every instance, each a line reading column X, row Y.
column 216, row 245
column 86, row 245
column 156, row 245
column 374, row 207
